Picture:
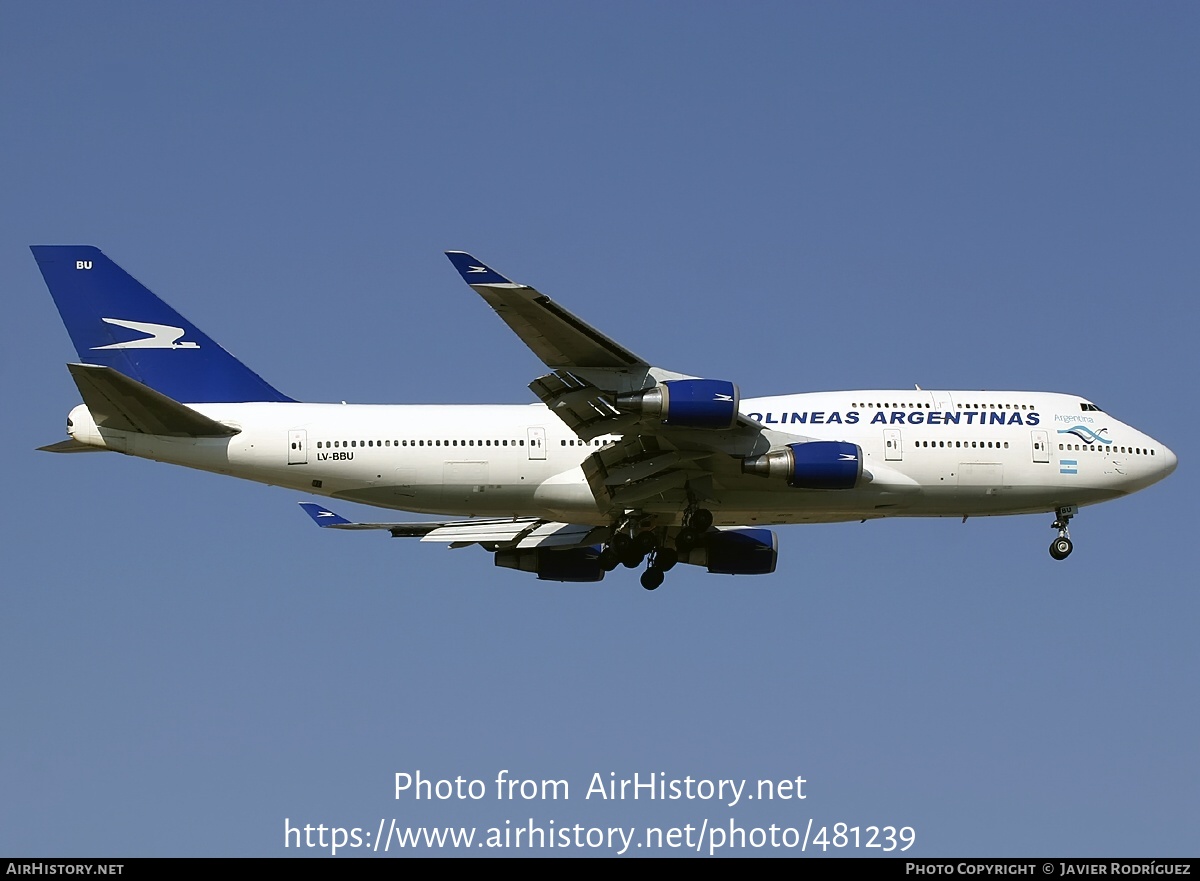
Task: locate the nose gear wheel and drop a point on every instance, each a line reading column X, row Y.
column 1061, row 547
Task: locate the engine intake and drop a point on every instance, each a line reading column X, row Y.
column 814, row 465
column 686, row 403
column 568, row 564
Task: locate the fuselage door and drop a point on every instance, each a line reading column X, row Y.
column 298, row 447
column 1041, row 446
column 537, row 443
column 892, row 451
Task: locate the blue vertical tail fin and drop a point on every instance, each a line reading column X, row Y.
column 116, row 321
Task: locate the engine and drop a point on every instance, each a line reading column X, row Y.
column 736, row 552
column 568, row 564
column 686, row 403
column 814, row 465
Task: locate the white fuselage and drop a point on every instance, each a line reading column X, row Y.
column 926, row 454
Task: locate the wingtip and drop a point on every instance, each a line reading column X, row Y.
column 473, row 270
column 321, row 515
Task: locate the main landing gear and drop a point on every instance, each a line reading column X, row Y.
column 696, row 522
column 1061, row 547
column 662, row 560
column 632, row 543
column 652, row 578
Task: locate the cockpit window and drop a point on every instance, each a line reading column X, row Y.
column 1089, row 408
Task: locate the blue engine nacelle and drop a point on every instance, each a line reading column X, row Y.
column 550, row 564
column 736, row 552
column 686, row 403
column 814, row 465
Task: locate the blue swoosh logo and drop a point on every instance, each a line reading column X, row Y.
column 1086, row 434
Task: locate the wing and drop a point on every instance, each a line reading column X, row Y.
column 558, row 338
column 679, row 435
column 528, row 532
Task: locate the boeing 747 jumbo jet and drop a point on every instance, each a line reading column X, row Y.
column 622, row 463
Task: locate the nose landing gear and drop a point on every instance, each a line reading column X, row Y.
column 1061, row 547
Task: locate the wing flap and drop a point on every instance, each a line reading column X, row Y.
column 524, row 532
column 503, row 531
column 559, row 535
column 629, row 471
column 582, row 407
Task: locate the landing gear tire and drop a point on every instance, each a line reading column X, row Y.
column 685, row 539
column 702, row 518
column 631, row 559
column 1060, row 548
column 609, row 559
column 645, row 542
column 665, row 559
column 652, row 578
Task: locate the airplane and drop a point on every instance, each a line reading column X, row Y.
column 621, row 463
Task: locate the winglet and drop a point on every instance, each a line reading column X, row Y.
column 475, row 271
column 323, row 516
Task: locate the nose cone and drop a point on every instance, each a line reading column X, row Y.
column 1147, row 470
column 1170, row 460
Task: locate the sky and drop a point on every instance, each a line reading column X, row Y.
column 793, row 196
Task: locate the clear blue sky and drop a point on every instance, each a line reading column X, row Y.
column 791, row 196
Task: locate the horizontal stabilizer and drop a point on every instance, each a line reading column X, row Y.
column 70, row 446
column 124, row 404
